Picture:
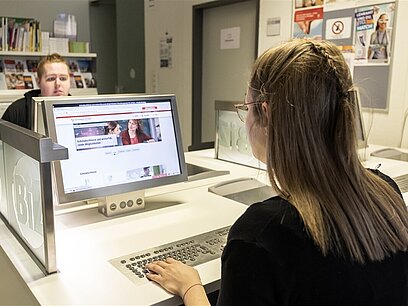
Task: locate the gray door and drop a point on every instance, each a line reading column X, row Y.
column 225, row 70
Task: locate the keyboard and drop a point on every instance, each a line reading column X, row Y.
column 192, row 251
column 402, row 182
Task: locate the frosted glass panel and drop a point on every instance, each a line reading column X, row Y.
column 232, row 141
column 23, row 186
column 3, row 193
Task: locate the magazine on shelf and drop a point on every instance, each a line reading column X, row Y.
column 84, row 66
column 15, row 80
column 14, row 65
column 76, row 80
column 32, row 65
column 73, row 66
column 3, row 85
column 18, row 80
column 90, row 81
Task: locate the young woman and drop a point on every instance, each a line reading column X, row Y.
column 134, row 133
column 337, row 234
column 380, row 39
column 113, row 128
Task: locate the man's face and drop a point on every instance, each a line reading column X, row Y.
column 55, row 81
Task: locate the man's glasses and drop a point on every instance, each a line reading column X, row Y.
column 242, row 110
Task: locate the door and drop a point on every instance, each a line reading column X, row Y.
column 228, row 49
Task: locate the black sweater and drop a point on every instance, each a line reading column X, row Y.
column 20, row 111
column 270, row 260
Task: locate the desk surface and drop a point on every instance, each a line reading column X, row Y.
column 83, row 250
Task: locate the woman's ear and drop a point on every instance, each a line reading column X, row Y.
column 265, row 113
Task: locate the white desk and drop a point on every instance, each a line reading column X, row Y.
column 83, row 250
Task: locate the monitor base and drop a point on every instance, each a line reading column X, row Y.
column 123, row 203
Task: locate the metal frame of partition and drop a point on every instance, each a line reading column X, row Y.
column 43, row 150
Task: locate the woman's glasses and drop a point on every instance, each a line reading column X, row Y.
column 242, row 110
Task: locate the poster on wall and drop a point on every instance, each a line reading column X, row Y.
column 307, row 3
column 374, row 32
column 166, row 51
column 308, row 23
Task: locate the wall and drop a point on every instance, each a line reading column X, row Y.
column 385, row 128
column 130, row 45
column 46, row 11
column 175, row 18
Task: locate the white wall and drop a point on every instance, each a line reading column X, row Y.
column 175, row 16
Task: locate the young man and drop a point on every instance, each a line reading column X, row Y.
column 53, row 78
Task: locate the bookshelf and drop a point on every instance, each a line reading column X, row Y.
column 41, row 54
column 75, row 61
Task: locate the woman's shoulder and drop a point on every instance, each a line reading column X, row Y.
column 275, row 212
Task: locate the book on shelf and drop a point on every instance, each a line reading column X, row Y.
column 58, row 45
column 79, row 47
column 20, row 34
column 45, row 42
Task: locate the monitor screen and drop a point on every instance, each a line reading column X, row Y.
column 116, row 143
column 360, row 130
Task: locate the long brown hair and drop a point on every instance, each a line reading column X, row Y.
column 312, row 152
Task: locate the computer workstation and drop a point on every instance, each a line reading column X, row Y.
column 102, row 174
column 97, row 255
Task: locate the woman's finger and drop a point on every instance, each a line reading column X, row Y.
column 154, row 277
column 161, row 264
column 155, row 267
column 171, row 260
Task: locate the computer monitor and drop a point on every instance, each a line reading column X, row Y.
column 360, row 130
column 108, row 162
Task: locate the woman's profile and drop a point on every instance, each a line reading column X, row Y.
column 113, row 128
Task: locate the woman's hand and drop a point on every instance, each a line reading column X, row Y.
column 173, row 275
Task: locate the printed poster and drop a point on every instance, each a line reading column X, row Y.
column 308, row 23
column 374, row 32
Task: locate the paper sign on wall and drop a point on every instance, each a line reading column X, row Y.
column 230, row 38
column 338, row 28
column 273, row 26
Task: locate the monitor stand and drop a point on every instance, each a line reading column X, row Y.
column 122, row 203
